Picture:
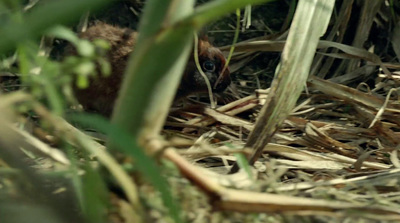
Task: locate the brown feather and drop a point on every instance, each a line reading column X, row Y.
column 102, row 92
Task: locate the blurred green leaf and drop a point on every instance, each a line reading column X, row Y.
column 82, row 81
column 95, row 196
column 42, row 17
column 165, row 36
column 85, row 48
column 85, row 68
column 103, row 44
column 55, row 97
column 11, row 5
column 105, row 67
column 157, row 63
column 15, row 211
column 244, row 164
column 145, row 164
column 63, row 33
column 242, row 161
column 215, row 9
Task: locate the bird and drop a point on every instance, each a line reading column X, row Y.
column 100, row 96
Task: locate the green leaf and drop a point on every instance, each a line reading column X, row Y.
column 82, row 81
column 124, row 142
column 85, row 68
column 62, row 32
column 242, row 161
column 213, row 10
column 42, row 17
column 105, row 66
column 95, row 196
column 101, row 43
column 85, row 48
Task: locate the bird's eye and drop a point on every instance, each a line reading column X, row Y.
column 209, row 66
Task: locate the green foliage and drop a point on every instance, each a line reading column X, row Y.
column 50, row 80
column 242, row 162
column 95, row 199
column 89, row 54
column 40, row 18
column 145, row 164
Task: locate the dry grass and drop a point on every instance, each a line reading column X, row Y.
column 334, row 159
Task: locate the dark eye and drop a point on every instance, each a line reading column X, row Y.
column 209, row 66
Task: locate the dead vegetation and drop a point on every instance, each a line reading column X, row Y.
column 334, row 158
column 340, row 143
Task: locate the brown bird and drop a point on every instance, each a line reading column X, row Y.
column 100, row 96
